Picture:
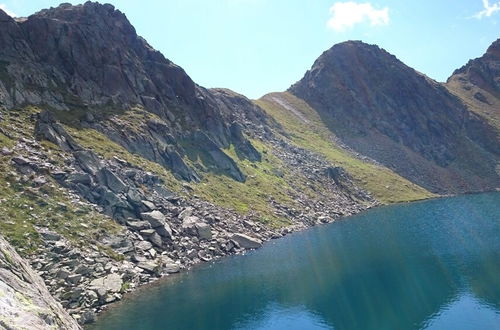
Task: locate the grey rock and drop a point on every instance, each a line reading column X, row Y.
column 143, row 245
column 156, row 240
column 204, row 231
column 148, row 266
column 111, row 180
column 110, row 283
column 150, row 206
column 155, row 218
column 246, row 242
column 164, row 231
column 88, row 161
column 20, row 283
column 138, row 225
column 79, row 177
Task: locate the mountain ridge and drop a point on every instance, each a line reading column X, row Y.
column 131, row 171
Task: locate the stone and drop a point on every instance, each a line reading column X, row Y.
column 138, row 225
column 164, row 231
column 246, row 242
column 49, row 235
column 155, row 218
column 204, row 231
column 83, row 270
column 156, row 240
column 188, row 211
column 143, row 245
column 171, row 268
column 88, row 161
column 147, row 232
column 134, row 196
column 62, row 274
column 110, row 283
column 111, row 180
column 79, row 177
column 149, row 205
column 148, row 266
column 74, row 279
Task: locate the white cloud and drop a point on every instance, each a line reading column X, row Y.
column 7, row 11
column 345, row 15
column 488, row 9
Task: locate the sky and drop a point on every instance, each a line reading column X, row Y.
column 259, row 46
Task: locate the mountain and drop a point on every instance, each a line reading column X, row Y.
column 478, row 84
column 118, row 169
column 381, row 108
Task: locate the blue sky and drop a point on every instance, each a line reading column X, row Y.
column 260, row 46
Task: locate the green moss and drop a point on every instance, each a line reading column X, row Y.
column 253, row 196
column 306, row 130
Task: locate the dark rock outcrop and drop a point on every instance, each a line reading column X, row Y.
column 87, row 62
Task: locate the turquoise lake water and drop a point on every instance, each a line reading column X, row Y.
column 425, row 265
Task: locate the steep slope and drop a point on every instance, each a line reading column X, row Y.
column 118, row 169
column 478, row 84
column 383, row 109
column 86, row 63
column 305, row 129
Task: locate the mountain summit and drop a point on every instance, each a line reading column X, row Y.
column 401, row 118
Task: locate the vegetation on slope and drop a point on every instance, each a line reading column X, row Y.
column 305, row 128
column 25, row 203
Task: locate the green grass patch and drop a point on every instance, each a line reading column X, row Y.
column 24, row 206
column 306, row 130
column 265, row 180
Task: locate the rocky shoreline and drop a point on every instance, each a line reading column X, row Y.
column 160, row 233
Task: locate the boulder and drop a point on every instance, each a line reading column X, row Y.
column 111, row 180
column 187, row 212
column 143, row 245
column 147, row 204
column 155, row 218
column 164, row 231
column 246, row 242
column 148, row 266
column 79, row 177
column 88, row 161
column 138, row 225
column 109, row 283
column 156, row 240
column 204, row 231
column 171, row 268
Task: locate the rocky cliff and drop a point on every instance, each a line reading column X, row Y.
column 117, row 169
column 383, row 109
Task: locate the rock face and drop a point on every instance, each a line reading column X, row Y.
column 25, row 302
column 399, row 117
column 90, row 56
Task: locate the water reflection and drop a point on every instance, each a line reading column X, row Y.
column 401, row 267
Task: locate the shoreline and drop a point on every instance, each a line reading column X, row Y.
column 130, row 295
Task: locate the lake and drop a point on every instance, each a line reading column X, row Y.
column 425, row 265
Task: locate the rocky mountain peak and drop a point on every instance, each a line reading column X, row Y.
column 483, row 73
column 376, row 104
column 494, row 49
